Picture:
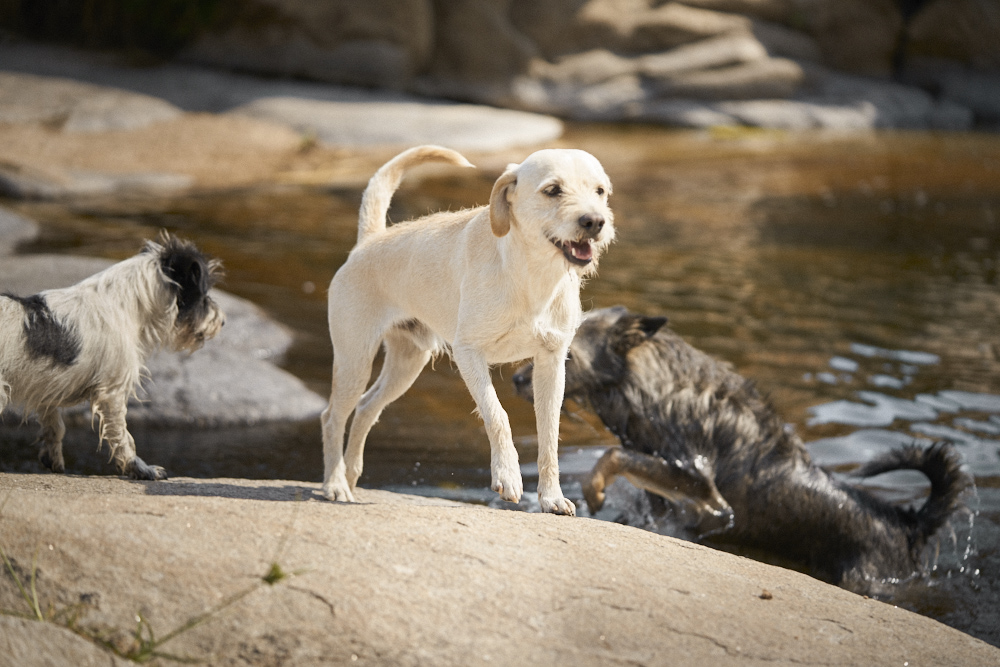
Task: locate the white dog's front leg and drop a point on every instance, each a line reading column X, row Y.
column 549, row 378
column 504, row 468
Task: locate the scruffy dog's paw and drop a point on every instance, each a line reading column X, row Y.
column 139, row 469
column 508, row 484
column 557, row 505
column 338, row 490
column 57, row 466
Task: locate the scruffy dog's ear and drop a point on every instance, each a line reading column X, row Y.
column 501, row 216
column 633, row 330
column 192, row 273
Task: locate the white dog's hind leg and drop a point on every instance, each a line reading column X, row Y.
column 112, row 415
column 403, row 363
column 51, row 437
column 505, row 472
column 549, row 379
column 351, row 370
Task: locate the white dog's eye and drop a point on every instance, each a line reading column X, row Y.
column 553, row 190
column 600, row 191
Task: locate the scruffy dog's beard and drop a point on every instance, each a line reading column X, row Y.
column 90, row 341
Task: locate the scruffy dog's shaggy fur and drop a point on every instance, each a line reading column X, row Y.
column 494, row 284
column 693, row 429
column 89, row 342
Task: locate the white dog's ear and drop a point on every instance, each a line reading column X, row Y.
column 501, row 216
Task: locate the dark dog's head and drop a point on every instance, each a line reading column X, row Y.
column 598, row 355
column 190, row 274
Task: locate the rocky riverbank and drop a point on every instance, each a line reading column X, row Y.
column 275, row 576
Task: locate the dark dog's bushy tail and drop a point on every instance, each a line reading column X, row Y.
column 942, row 466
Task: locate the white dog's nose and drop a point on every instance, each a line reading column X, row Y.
column 592, row 222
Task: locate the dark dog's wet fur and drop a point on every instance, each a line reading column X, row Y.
column 693, row 429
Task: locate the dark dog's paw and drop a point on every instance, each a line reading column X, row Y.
column 55, row 466
column 139, row 469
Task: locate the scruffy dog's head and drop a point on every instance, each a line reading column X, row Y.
column 188, row 276
column 561, row 196
column 598, row 355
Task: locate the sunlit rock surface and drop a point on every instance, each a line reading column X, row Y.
column 401, row 580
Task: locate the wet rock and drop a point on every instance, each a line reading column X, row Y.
column 231, row 381
column 77, row 107
column 397, row 579
column 15, row 230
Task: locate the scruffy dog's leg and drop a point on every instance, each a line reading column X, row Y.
column 50, row 440
column 112, row 416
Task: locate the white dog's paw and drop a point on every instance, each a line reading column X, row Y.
column 557, row 505
column 338, row 490
column 508, row 484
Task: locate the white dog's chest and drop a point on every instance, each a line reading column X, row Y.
column 526, row 340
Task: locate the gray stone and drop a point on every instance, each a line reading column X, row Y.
column 400, row 580
column 75, row 106
column 21, row 182
column 15, row 230
column 405, row 123
column 683, row 113
column 232, row 381
column 767, row 78
column 783, row 42
column 715, row 52
column 978, row 91
column 336, row 115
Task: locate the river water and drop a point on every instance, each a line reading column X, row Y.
column 854, row 277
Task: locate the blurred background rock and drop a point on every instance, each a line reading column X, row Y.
column 776, row 63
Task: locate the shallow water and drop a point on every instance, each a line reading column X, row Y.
column 854, row 277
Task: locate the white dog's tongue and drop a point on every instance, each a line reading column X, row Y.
column 581, row 251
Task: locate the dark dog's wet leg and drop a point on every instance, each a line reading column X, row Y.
column 673, row 481
column 50, row 441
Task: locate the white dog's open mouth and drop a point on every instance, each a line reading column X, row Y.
column 576, row 252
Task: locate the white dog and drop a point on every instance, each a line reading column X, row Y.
column 89, row 342
column 491, row 285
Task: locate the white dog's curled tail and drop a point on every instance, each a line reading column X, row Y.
column 385, row 182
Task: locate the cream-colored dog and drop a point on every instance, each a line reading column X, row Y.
column 492, row 285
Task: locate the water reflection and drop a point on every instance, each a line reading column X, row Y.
column 854, row 278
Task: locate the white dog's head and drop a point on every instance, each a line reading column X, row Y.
column 561, row 197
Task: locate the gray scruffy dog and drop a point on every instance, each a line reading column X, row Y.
column 694, row 430
column 90, row 342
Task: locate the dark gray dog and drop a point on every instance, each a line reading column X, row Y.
column 692, row 429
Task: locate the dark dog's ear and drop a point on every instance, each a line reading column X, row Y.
column 633, row 330
column 501, row 216
column 192, row 273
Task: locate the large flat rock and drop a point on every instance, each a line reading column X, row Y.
column 335, row 115
column 402, row 580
